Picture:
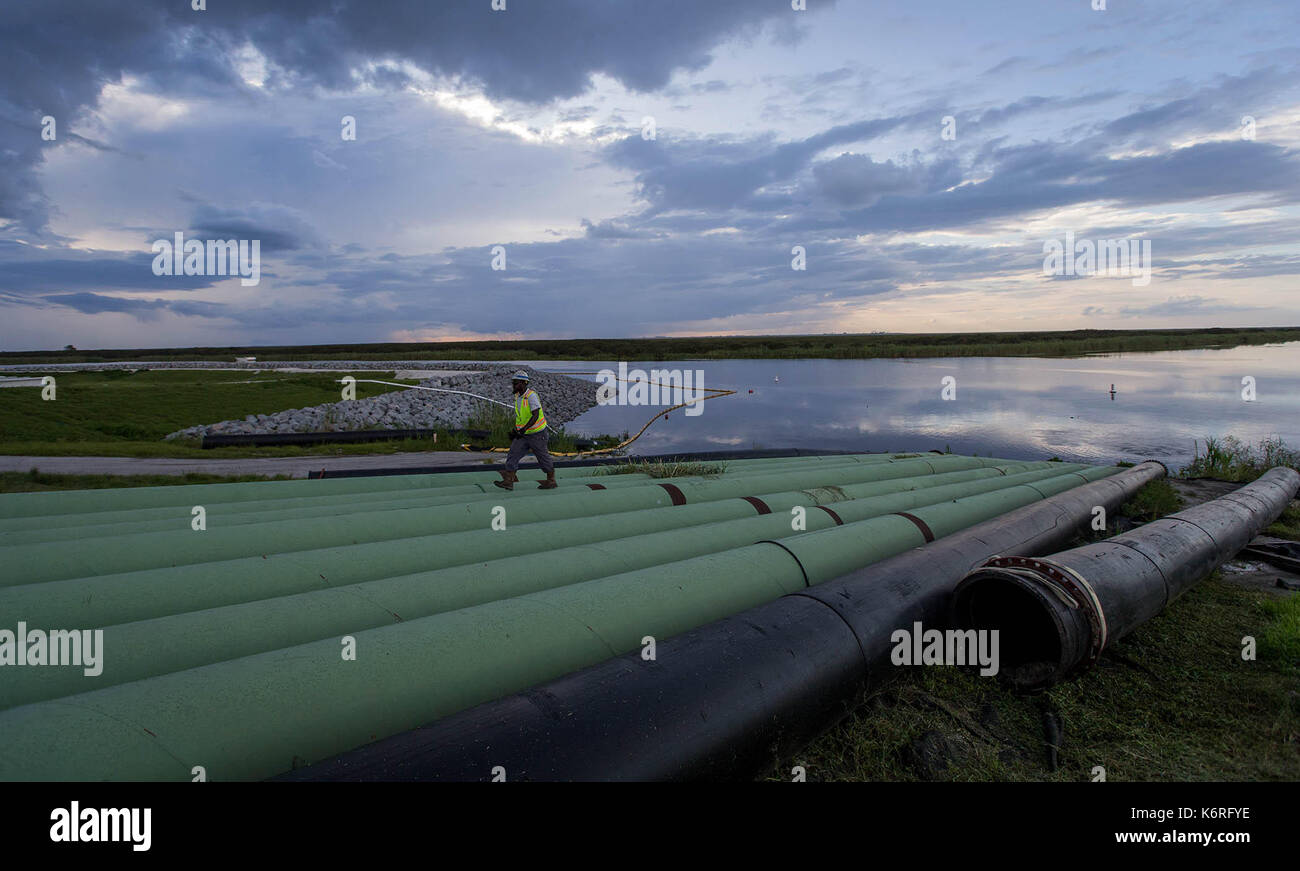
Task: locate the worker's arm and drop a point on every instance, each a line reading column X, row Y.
column 519, row 430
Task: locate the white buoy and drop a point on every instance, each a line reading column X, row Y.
column 776, row 377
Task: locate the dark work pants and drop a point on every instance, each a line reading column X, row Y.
column 536, row 442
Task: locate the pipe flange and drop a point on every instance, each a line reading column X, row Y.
column 1070, row 582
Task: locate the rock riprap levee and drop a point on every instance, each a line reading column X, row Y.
column 564, row 399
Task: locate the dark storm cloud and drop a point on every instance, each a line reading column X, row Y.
column 56, row 55
column 22, row 202
column 712, row 234
column 1219, row 106
column 29, row 270
column 855, row 179
column 611, row 229
column 757, row 175
column 1249, row 266
column 1025, row 105
column 1032, row 178
column 279, row 228
column 718, row 175
column 590, row 283
column 142, row 309
column 1192, row 241
column 584, row 281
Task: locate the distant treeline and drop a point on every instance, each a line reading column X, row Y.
column 1070, row 343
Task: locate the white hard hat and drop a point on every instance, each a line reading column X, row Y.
column 521, row 375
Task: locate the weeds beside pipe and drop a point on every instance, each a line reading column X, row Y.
column 1057, row 614
column 723, row 700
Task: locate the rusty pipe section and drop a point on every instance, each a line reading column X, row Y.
column 1058, row 613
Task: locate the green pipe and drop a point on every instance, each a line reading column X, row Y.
column 260, row 715
column 104, row 600
column 668, row 599
column 830, row 556
column 147, row 648
column 54, row 560
column 38, row 529
column 17, row 505
column 124, row 499
column 16, row 528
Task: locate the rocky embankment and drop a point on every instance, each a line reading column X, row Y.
column 563, row 398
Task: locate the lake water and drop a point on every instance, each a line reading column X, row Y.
column 1029, row 408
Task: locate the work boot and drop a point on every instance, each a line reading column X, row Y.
column 549, row 483
column 507, row 481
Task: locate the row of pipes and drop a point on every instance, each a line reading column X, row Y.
column 770, row 593
column 223, row 645
column 724, row 700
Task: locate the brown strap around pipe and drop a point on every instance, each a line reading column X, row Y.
column 759, row 505
column 920, row 524
column 679, row 498
column 834, row 516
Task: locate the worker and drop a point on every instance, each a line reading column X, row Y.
column 529, row 434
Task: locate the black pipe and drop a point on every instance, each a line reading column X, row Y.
column 1057, row 614
column 721, row 701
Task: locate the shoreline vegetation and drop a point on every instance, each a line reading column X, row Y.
column 859, row 346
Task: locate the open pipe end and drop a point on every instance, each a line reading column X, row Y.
column 1159, row 463
column 1042, row 635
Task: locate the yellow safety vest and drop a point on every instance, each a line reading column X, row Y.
column 523, row 412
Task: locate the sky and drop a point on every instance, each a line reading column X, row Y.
column 642, row 169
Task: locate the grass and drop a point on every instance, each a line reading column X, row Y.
column 1228, row 459
column 1174, row 701
column 1280, row 639
column 663, row 469
column 127, row 414
column 1071, row 343
column 1288, row 525
column 1155, row 500
column 37, row 481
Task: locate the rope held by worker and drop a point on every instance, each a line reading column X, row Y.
column 713, row 393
